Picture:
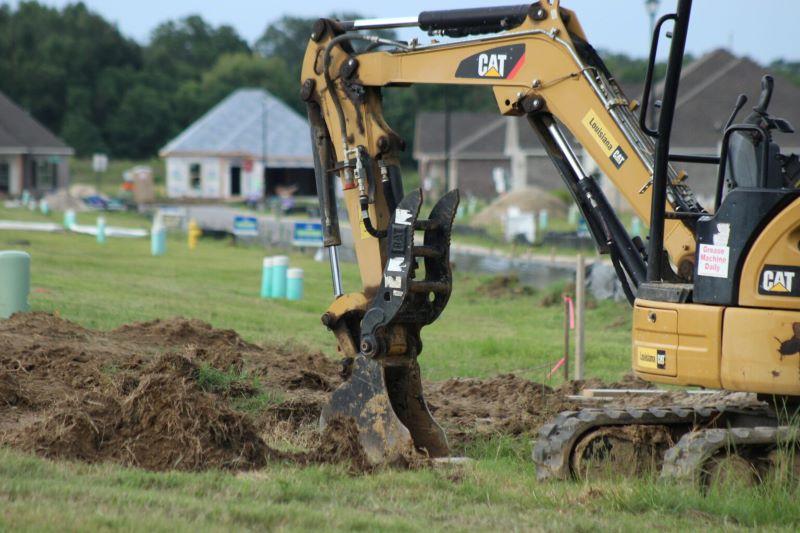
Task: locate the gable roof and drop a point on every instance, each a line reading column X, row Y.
column 708, row 90
column 20, row 133
column 472, row 134
column 239, row 125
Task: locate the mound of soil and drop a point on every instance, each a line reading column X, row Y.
column 504, row 286
column 527, row 200
column 180, row 394
column 505, row 404
column 133, row 395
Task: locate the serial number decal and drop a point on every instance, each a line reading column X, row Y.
column 604, row 139
column 652, row 358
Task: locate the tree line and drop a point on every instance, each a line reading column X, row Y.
column 102, row 91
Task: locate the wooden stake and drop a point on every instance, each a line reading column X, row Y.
column 580, row 310
column 566, row 338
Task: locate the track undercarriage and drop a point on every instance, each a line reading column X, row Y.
column 700, row 445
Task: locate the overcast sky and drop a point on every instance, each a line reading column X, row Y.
column 764, row 29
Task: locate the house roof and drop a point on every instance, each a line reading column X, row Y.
column 239, row 126
column 20, row 133
column 476, row 135
column 708, row 90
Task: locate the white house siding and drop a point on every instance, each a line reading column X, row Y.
column 178, row 177
column 215, row 177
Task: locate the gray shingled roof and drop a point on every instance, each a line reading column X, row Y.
column 709, row 88
column 235, row 127
column 471, row 134
column 20, row 133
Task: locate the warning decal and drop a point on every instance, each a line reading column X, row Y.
column 713, row 261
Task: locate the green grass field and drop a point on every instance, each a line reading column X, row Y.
column 105, row 286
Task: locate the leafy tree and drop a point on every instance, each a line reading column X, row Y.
column 137, row 127
column 186, row 48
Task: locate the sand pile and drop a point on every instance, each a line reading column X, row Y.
column 527, row 200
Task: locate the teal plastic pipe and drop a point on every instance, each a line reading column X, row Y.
column 15, row 282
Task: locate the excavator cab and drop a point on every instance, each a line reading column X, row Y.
column 753, row 158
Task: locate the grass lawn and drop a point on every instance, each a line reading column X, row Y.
column 105, row 286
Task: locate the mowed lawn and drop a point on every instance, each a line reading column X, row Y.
column 478, row 335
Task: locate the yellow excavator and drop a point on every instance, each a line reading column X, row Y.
column 715, row 289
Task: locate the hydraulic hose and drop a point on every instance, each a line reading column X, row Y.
column 377, row 41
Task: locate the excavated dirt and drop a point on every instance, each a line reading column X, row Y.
column 504, row 286
column 505, row 404
column 180, row 394
column 137, row 396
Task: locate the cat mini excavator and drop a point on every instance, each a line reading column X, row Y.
column 715, row 292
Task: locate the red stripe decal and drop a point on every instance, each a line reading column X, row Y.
column 516, row 67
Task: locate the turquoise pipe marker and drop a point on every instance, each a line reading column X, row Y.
column 280, row 264
column 543, row 219
column 636, row 227
column 294, row 284
column 158, row 240
column 69, row 219
column 15, row 282
column 101, row 230
column 266, row 277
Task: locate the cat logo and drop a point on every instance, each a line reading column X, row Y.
column 779, row 281
column 492, row 65
column 502, row 62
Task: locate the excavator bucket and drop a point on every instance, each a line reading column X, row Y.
column 390, row 412
column 384, row 392
column 364, row 397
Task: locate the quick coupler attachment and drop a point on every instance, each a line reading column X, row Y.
column 403, row 298
column 384, row 391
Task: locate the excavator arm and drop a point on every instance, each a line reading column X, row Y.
column 538, row 62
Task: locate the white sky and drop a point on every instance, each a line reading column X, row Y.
column 763, row 30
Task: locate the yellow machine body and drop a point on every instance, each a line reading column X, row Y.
column 754, row 347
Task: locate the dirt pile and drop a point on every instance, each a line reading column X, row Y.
column 180, row 394
column 504, row 286
column 505, row 404
column 527, row 200
column 167, row 394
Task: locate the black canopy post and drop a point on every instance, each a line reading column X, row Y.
column 661, row 163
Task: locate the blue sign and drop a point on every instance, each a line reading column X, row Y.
column 307, row 234
column 245, row 226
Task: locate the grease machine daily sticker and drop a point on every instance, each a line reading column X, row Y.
column 605, row 139
column 502, row 63
column 713, row 259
